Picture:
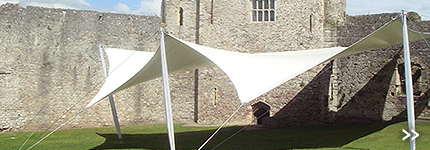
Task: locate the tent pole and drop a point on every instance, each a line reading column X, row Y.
column 111, row 100
column 166, row 90
column 408, row 80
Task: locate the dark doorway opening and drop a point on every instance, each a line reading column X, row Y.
column 260, row 111
column 416, row 78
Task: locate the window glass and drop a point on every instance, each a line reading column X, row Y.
column 266, row 4
column 260, row 16
column 260, row 4
column 263, row 10
column 272, row 15
column 272, row 4
column 266, row 15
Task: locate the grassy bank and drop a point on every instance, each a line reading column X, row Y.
column 380, row 136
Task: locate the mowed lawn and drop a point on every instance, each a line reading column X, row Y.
column 377, row 136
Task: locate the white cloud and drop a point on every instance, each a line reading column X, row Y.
column 67, row 4
column 150, row 7
column 8, row 1
column 120, row 7
column 147, row 7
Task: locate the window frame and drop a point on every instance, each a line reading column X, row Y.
column 263, row 11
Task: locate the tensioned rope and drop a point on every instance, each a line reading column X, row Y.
column 82, row 98
column 213, row 134
column 219, row 128
column 45, row 105
column 416, row 29
column 67, row 111
column 234, row 134
column 55, row 129
column 34, row 117
column 70, row 108
column 237, row 132
column 98, row 84
column 41, row 109
column 47, row 102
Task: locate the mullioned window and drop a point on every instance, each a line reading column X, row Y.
column 263, row 10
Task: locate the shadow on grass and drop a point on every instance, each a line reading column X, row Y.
column 324, row 136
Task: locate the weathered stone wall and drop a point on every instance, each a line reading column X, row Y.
column 228, row 25
column 335, row 14
column 49, row 61
column 362, row 88
column 232, row 27
column 367, row 87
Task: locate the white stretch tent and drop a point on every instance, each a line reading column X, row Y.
column 251, row 74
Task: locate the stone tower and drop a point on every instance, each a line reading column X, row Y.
column 334, row 11
column 255, row 26
column 335, row 15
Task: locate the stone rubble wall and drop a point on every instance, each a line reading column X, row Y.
column 298, row 26
column 366, row 87
column 49, row 61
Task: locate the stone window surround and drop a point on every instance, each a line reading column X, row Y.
column 263, row 10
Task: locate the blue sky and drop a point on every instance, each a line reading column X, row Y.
column 152, row 7
column 358, row 7
column 133, row 4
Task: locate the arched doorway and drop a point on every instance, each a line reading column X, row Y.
column 260, row 110
column 416, row 78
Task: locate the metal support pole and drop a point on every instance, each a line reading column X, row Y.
column 408, row 80
column 166, row 90
column 111, row 100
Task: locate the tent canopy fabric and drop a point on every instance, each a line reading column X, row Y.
column 388, row 35
column 251, row 74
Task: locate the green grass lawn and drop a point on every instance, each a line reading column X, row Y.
column 380, row 136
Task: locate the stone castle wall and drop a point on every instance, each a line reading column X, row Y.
column 365, row 87
column 229, row 25
column 49, row 61
column 370, row 85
